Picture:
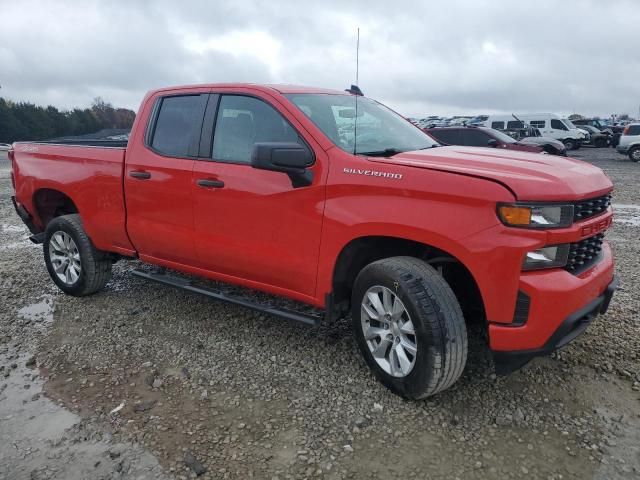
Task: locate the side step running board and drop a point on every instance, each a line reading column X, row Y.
column 185, row 284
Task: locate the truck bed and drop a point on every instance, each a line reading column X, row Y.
column 91, row 175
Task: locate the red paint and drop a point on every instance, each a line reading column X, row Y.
column 260, row 232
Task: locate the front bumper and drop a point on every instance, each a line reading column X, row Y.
column 561, row 306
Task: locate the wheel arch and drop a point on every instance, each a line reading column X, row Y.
column 361, row 251
column 49, row 203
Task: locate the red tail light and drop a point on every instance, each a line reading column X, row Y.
column 626, row 130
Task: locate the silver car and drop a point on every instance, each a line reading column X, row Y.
column 630, row 142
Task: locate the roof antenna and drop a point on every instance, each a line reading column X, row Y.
column 357, row 55
column 355, row 90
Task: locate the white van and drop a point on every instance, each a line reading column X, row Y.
column 549, row 124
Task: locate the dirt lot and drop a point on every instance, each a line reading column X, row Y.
column 143, row 381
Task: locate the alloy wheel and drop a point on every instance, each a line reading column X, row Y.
column 388, row 331
column 65, row 257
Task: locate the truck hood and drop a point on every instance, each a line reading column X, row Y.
column 530, row 176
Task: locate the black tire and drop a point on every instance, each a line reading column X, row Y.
column 601, row 143
column 440, row 330
column 95, row 269
column 634, row 154
column 569, row 144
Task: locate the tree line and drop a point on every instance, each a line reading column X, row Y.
column 26, row 121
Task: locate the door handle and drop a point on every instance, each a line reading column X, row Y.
column 208, row 183
column 140, row 175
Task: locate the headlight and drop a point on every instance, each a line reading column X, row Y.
column 546, row 257
column 536, row 216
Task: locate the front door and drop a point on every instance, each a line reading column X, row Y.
column 252, row 226
column 157, row 179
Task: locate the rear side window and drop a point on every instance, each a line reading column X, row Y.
column 497, row 125
column 243, row 121
column 446, row 137
column 178, row 121
column 634, row 130
column 537, row 123
column 474, row 138
column 558, row 125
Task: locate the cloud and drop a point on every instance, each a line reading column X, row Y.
column 433, row 57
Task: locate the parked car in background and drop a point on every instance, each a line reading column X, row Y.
column 597, row 138
column 616, row 133
column 459, row 120
column 594, row 122
column 4, row 147
column 532, row 136
column 630, row 142
column 479, row 137
column 478, row 119
column 549, row 124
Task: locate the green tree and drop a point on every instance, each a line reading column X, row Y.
column 26, row 121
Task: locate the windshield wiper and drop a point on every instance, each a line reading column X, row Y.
column 387, row 152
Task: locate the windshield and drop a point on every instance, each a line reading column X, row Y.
column 503, row 137
column 373, row 130
column 568, row 123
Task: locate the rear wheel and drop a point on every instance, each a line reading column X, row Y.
column 74, row 264
column 634, row 154
column 409, row 326
column 569, row 143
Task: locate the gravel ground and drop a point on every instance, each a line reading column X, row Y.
column 144, row 381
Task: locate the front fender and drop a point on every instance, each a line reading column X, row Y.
column 451, row 212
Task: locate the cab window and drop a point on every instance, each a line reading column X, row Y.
column 558, row 125
column 243, row 121
column 177, row 123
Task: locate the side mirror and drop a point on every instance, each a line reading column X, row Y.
column 290, row 158
column 492, row 142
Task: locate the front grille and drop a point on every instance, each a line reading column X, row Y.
column 584, row 254
column 590, row 208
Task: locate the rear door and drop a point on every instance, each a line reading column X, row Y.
column 157, row 178
column 253, row 225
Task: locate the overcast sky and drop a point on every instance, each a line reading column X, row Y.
column 428, row 57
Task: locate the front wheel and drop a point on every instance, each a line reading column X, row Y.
column 409, row 326
column 569, row 144
column 74, row 264
column 634, row 154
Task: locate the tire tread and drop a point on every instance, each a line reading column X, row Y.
column 441, row 309
column 96, row 266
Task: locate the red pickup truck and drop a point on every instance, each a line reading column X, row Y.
column 335, row 201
